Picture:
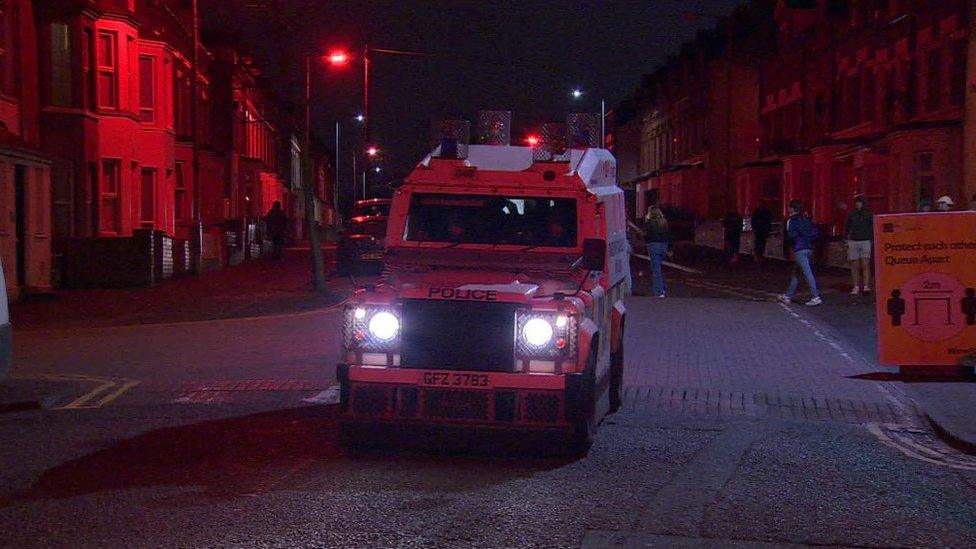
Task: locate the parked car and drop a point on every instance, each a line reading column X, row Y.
column 5, row 330
column 360, row 247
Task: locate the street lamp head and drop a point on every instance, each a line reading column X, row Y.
column 360, row 118
column 377, row 169
column 577, row 93
column 372, row 151
column 338, row 58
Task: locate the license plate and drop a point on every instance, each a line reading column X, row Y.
column 370, row 256
column 456, row 379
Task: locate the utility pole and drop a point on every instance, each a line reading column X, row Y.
column 196, row 231
column 308, row 187
column 969, row 127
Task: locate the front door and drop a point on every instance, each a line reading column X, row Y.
column 20, row 234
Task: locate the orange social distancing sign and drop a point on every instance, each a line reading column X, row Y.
column 926, row 280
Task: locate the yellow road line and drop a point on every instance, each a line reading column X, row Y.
column 84, row 402
column 83, row 399
column 119, row 392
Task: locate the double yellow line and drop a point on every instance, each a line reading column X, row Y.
column 106, row 390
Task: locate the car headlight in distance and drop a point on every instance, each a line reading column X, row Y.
column 384, row 326
column 537, row 332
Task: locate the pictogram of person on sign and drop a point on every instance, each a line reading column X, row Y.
column 969, row 306
column 896, row 307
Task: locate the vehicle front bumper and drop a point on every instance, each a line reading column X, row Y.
column 511, row 400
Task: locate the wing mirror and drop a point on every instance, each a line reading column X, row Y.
column 594, row 254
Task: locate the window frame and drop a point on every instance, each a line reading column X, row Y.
column 107, row 73
column 114, row 195
column 147, row 84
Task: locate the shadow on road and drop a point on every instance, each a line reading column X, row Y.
column 285, row 449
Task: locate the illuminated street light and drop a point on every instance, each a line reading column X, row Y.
column 360, row 118
column 377, row 169
column 372, row 151
column 577, row 93
column 338, row 58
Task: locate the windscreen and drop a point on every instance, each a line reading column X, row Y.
column 479, row 219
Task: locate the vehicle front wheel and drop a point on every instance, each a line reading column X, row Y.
column 584, row 428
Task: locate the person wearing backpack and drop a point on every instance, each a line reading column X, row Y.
column 802, row 234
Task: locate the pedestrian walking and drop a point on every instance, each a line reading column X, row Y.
column 762, row 223
column 945, row 203
column 732, row 223
column 972, row 203
column 859, row 231
column 802, row 235
column 924, row 205
column 657, row 235
column 276, row 223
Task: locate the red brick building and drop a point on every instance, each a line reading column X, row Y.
column 700, row 118
column 861, row 97
column 116, row 102
column 25, row 172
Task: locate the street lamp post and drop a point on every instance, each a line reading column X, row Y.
column 318, row 267
column 196, row 232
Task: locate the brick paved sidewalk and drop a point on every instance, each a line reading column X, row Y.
column 257, row 288
column 950, row 404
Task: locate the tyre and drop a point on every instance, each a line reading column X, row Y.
column 617, row 374
column 584, row 428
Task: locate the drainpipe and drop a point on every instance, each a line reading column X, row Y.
column 969, row 128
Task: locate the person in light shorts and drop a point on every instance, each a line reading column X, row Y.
column 859, row 231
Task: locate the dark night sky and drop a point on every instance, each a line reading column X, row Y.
column 523, row 56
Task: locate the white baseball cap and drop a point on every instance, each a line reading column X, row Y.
column 944, row 199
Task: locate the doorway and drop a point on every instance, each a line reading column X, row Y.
column 20, row 211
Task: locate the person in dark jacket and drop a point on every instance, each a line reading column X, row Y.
column 802, row 235
column 276, row 223
column 657, row 235
column 762, row 223
column 859, row 231
column 732, row 223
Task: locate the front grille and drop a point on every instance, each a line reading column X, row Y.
column 458, row 335
column 370, row 401
column 541, row 408
column 456, row 404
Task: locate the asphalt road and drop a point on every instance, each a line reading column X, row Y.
column 744, row 425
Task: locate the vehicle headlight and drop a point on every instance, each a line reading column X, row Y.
column 371, row 328
column 537, row 332
column 546, row 335
column 384, row 326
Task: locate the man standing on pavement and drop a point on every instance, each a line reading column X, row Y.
column 762, row 223
column 801, row 233
column 732, row 223
column 859, row 231
column 276, row 223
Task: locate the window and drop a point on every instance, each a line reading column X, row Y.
column 147, row 203
column 9, row 49
column 181, row 105
column 517, row 220
column 933, row 95
column 180, row 194
column 109, row 204
column 925, row 175
column 62, row 85
column 108, row 75
column 957, row 88
column 147, row 91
